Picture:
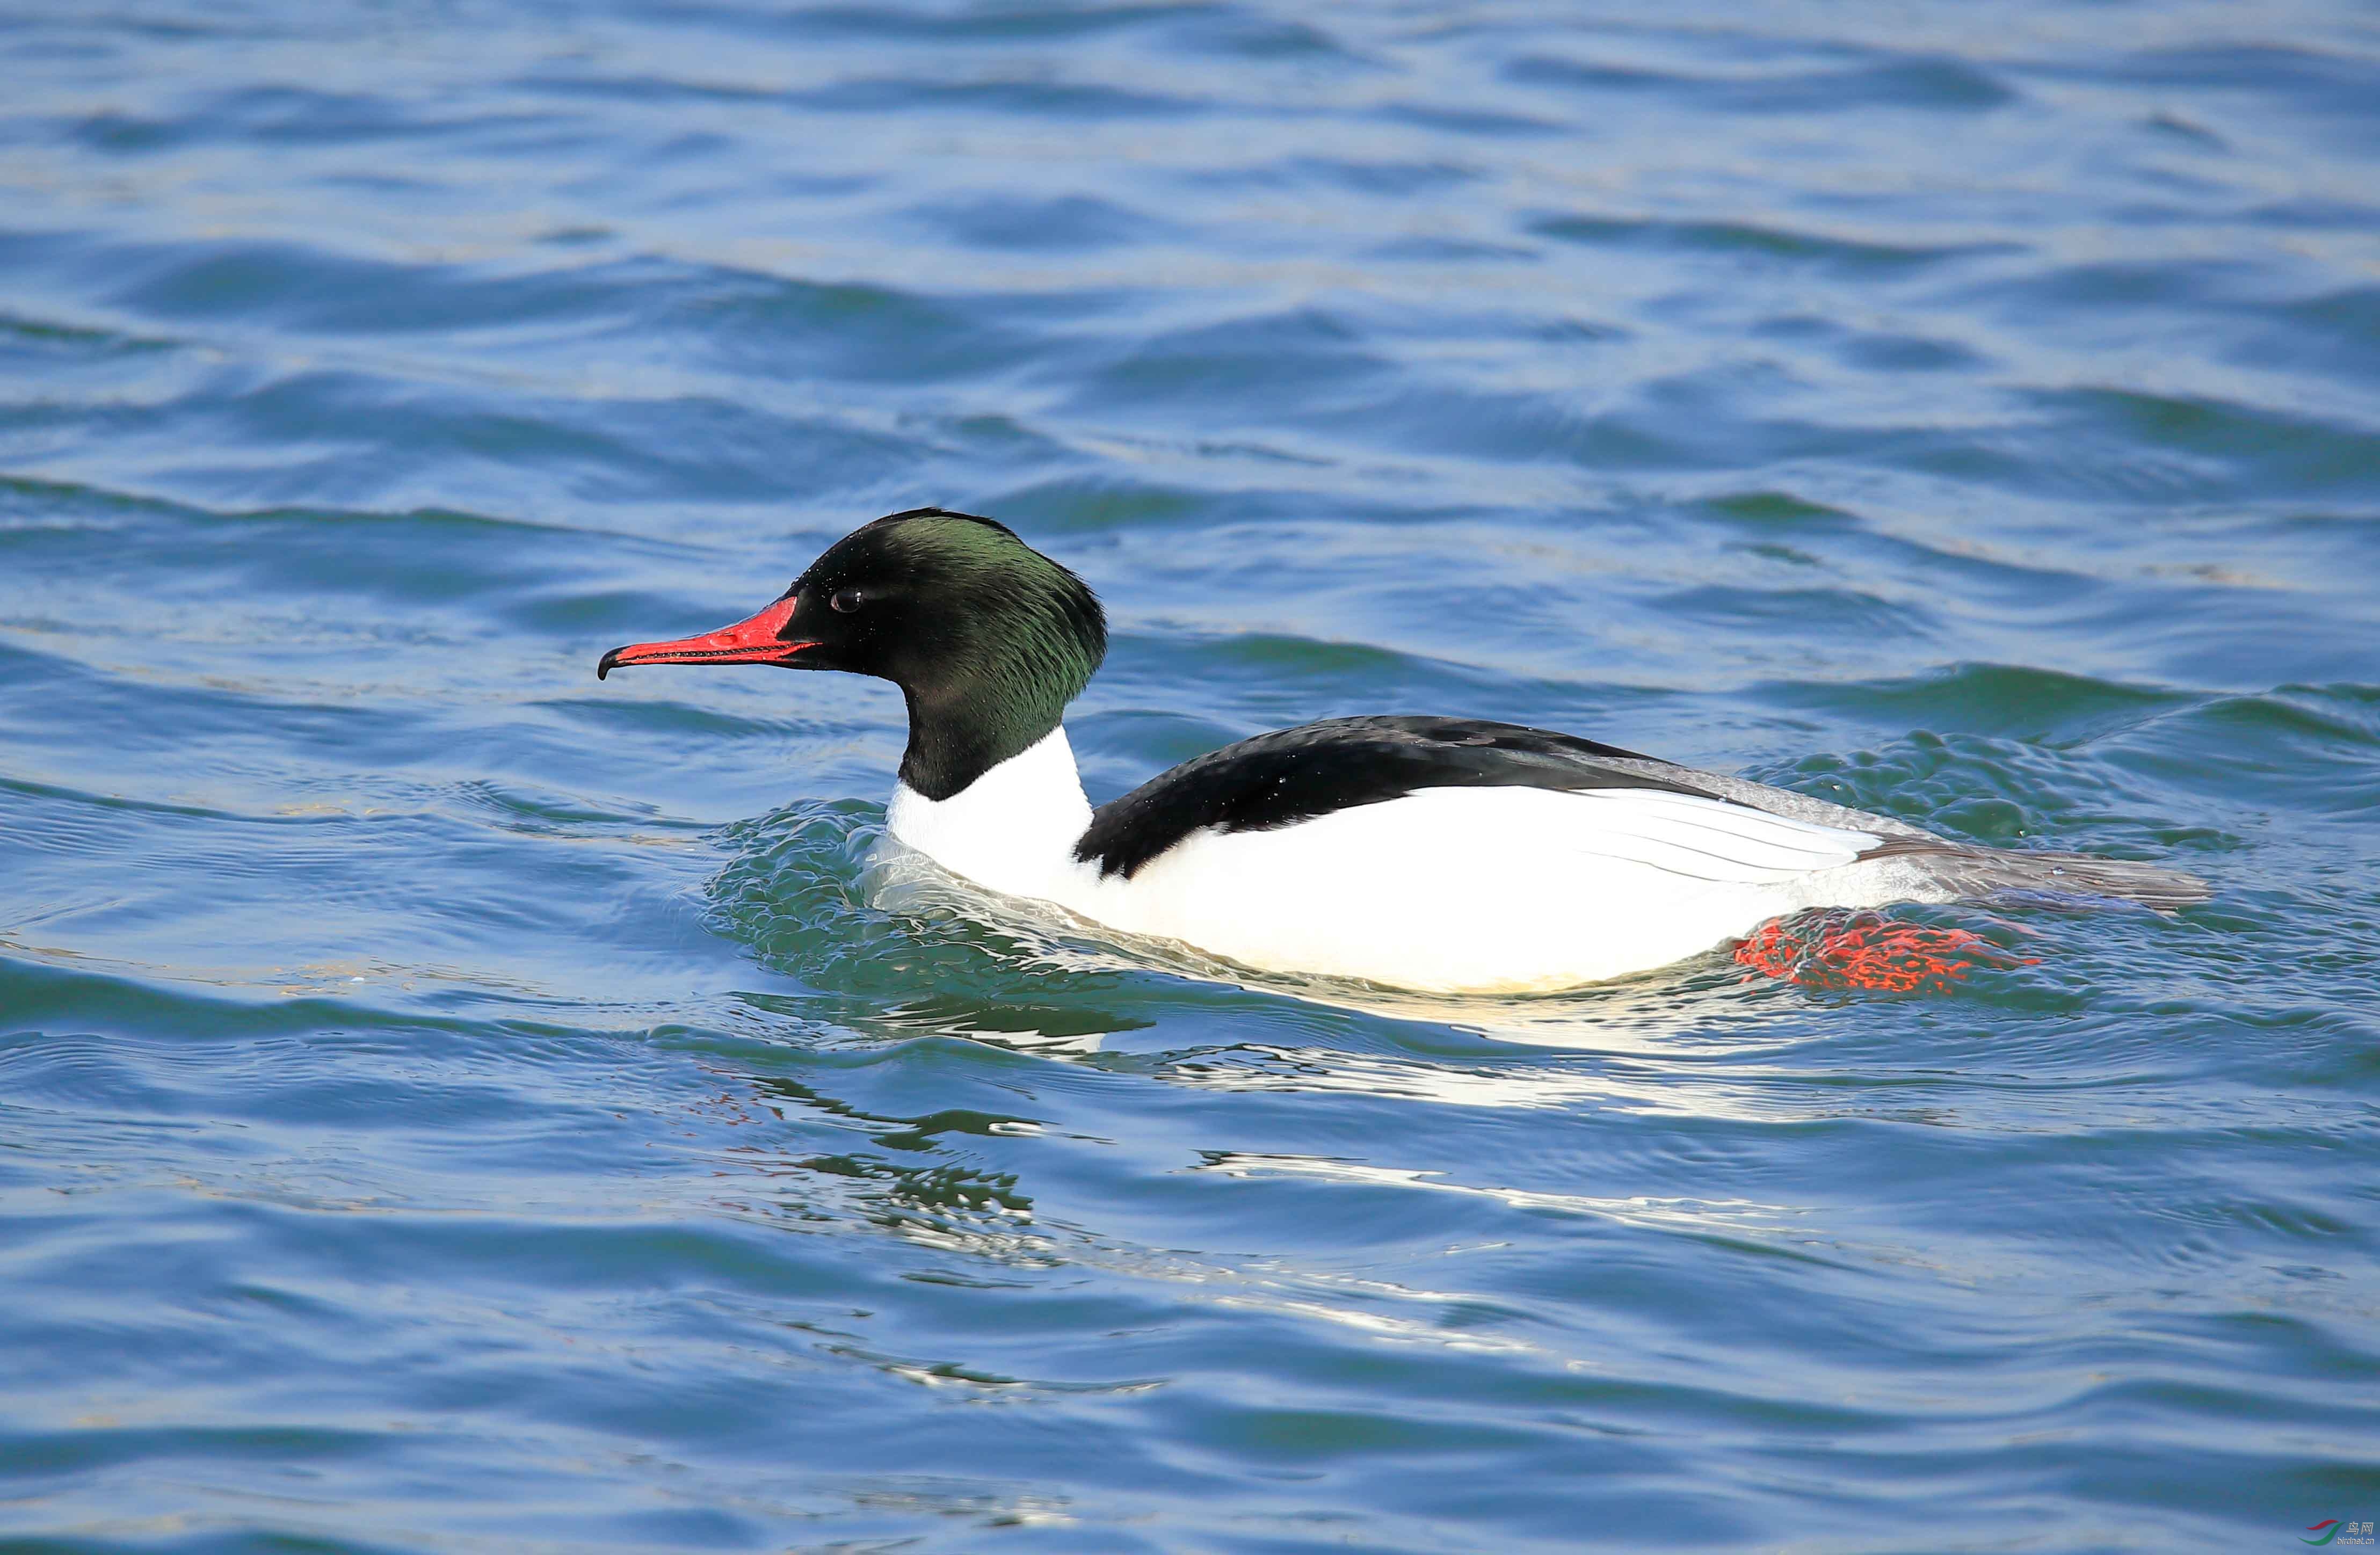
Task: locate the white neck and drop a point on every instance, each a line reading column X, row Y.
column 1012, row 829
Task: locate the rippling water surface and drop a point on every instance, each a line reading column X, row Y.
column 451, row 1105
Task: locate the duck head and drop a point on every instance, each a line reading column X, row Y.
column 987, row 638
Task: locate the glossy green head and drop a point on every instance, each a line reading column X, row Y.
column 987, row 638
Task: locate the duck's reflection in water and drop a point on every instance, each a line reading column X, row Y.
column 916, row 961
column 897, row 952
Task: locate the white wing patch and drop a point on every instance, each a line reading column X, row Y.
column 1707, row 840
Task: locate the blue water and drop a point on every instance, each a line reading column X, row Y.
column 449, row 1104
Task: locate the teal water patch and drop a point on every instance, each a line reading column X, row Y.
column 448, row 1103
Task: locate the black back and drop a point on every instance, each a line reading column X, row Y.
column 1291, row 775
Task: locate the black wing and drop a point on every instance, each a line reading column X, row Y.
column 1291, row 775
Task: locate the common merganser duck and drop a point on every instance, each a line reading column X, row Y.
column 1446, row 855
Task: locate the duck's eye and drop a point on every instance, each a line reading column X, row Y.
column 847, row 599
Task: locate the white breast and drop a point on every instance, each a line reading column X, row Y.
column 1012, row 829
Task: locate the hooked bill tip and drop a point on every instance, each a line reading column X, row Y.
column 605, row 665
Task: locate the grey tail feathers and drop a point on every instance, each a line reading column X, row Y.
column 1990, row 871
